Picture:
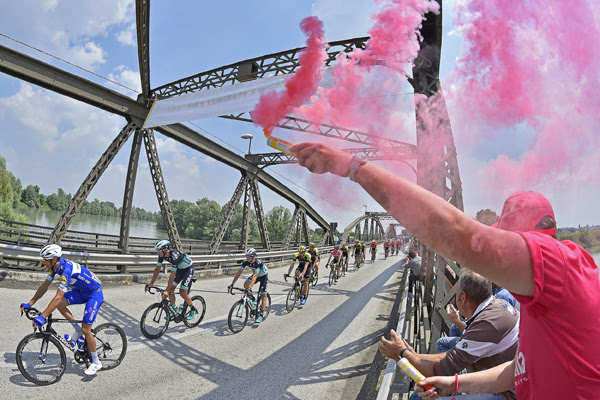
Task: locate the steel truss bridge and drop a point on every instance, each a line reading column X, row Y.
column 436, row 160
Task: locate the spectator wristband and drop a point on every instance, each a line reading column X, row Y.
column 354, row 165
column 402, row 352
column 456, row 385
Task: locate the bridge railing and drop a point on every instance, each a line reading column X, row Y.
column 419, row 323
column 23, row 234
column 28, row 257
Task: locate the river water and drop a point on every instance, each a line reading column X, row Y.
column 92, row 223
column 109, row 225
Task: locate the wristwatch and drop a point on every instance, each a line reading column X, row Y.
column 354, row 165
column 402, row 352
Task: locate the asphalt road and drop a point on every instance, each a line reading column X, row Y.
column 323, row 350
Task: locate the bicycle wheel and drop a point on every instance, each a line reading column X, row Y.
column 331, row 277
column 111, row 344
column 314, row 278
column 155, row 321
column 238, row 316
column 41, row 359
column 199, row 305
column 290, row 302
column 267, row 306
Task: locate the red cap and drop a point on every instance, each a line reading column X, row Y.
column 522, row 212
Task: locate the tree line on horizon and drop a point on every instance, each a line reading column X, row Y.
column 589, row 238
column 194, row 220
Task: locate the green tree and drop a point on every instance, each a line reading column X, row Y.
column 585, row 239
column 31, row 196
column 6, row 191
column 278, row 221
column 487, row 217
column 202, row 220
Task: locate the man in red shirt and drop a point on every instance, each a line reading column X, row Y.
column 556, row 282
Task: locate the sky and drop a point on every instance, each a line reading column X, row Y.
column 503, row 144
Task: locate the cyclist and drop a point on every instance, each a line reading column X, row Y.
column 260, row 273
column 86, row 288
column 386, row 246
column 363, row 253
column 345, row 252
column 314, row 256
column 373, row 249
column 303, row 270
column 357, row 250
column 182, row 270
column 337, row 258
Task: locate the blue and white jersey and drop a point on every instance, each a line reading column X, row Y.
column 257, row 265
column 76, row 276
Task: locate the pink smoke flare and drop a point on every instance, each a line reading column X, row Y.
column 273, row 106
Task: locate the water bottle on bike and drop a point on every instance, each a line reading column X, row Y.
column 70, row 340
column 81, row 343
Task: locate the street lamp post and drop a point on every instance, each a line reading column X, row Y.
column 250, row 137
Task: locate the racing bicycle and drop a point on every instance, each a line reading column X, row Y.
column 156, row 318
column 333, row 276
column 295, row 294
column 314, row 277
column 41, row 355
column 246, row 306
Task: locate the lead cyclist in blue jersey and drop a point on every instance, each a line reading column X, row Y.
column 86, row 288
column 182, row 271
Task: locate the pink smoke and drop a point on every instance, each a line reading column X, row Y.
column 273, row 106
column 356, row 98
column 533, row 63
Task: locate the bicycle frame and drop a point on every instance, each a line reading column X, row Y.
column 178, row 316
column 246, row 299
column 47, row 330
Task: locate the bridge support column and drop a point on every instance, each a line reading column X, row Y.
column 134, row 158
column 228, row 214
column 260, row 216
column 160, row 188
column 88, row 184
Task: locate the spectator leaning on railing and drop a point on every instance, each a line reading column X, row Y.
column 556, row 282
column 489, row 339
column 414, row 265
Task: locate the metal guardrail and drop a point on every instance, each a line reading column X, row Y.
column 31, row 254
column 391, row 367
column 23, row 234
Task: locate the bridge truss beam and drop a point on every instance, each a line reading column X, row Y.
column 89, row 183
column 373, row 154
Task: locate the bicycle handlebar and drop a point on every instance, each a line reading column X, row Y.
column 243, row 290
column 31, row 313
column 155, row 289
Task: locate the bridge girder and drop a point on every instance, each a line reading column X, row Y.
column 52, row 78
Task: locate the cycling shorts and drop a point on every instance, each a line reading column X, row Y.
column 335, row 263
column 308, row 269
column 262, row 280
column 185, row 277
column 93, row 301
column 357, row 251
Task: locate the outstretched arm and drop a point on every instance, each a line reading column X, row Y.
column 501, row 256
column 494, row 380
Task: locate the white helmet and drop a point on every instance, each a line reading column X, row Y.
column 162, row 244
column 50, row 251
column 251, row 252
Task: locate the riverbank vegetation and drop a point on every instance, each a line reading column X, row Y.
column 194, row 220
